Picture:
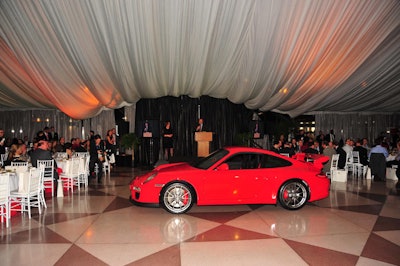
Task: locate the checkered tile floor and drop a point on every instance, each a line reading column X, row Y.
column 359, row 224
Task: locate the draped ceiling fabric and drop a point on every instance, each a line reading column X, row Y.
column 288, row 56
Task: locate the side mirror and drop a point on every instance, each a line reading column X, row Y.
column 223, row 167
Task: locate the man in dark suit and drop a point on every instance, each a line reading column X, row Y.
column 200, row 126
column 43, row 153
column 362, row 152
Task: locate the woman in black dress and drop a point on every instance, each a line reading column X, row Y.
column 168, row 141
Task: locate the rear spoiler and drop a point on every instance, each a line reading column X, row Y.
column 318, row 160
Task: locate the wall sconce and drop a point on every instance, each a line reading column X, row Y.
column 47, row 120
column 38, row 119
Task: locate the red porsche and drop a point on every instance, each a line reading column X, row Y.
column 233, row 175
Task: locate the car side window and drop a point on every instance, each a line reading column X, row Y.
column 270, row 161
column 243, row 161
column 234, row 162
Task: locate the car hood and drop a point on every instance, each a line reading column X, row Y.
column 174, row 167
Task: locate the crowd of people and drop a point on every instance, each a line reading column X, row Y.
column 327, row 144
column 46, row 145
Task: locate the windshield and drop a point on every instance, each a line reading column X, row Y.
column 211, row 159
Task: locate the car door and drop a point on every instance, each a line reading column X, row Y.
column 234, row 181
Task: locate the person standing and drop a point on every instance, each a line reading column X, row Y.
column 53, row 133
column 200, row 126
column 47, row 133
column 110, row 146
column 168, row 141
column 96, row 157
column 330, row 137
column 2, row 142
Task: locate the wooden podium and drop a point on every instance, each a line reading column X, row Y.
column 203, row 143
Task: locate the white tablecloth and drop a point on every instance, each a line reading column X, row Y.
column 19, row 181
column 63, row 165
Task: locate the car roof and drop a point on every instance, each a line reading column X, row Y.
column 235, row 149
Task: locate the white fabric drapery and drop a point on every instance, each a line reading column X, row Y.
column 289, row 56
column 18, row 124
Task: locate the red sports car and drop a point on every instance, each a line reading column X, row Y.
column 233, row 175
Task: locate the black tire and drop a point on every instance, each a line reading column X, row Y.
column 293, row 194
column 177, row 198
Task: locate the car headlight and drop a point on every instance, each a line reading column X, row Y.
column 150, row 178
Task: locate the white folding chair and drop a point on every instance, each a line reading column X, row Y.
column 24, row 200
column 18, row 164
column 5, row 198
column 81, row 154
column 358, row 168
column 83, row 171
column 337, row 174
column 71, row 175
column 61, row 155
column 349, row 162
column 106, row 165
column 3, row 158
column 48, row 174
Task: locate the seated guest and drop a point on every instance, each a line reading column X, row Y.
column 288, row 149
column 76, row 142
column 276, row 146
column 21, row 154
column 318, row 146
column 43, row 153
column 395, row 155
column 362, row 152
column 11, row 154
column 81, row 147
column 60, row 145
column 302, row 146
column 294, row 145
column 311, row 149
column 53, row 146
column 377, row 161
column 342, row 155
column 33, row 148
column 378, row 148
column 328, row 150
column 68, row 149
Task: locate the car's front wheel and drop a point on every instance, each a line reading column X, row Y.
column 177, row 198
column 293, row 194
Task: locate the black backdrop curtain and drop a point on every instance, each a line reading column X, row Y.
column 220, row 116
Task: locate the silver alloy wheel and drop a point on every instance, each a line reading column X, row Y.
column 177, row 198
column 293, row 195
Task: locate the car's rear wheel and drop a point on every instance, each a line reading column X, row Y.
column 177, row 198
column 293, row 194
